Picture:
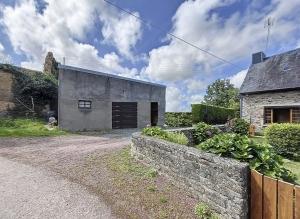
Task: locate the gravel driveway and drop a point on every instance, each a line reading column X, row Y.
column 35, row 178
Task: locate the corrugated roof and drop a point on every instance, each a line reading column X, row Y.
column 107, row 75
column 278, row 72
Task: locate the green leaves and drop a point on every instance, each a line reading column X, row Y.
column 284, row 137
column 157, row 132
column 31, row 92
column 261, row 156
column 182, row 119
column 222, row 93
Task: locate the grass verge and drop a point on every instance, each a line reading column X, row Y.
column 134, row 190
column 26, row 127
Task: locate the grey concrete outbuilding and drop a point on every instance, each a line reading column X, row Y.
column 94, row 100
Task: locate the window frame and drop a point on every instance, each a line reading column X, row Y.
column 84, row 104
column 269, row 113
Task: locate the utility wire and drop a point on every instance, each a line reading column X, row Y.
column 173, row 35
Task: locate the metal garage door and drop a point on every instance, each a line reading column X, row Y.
column 124, row 115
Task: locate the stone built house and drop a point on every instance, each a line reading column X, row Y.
column 270, row 92
column 90, row 100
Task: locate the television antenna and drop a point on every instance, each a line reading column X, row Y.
column 269, row 23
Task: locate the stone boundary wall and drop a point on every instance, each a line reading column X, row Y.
column 222, row 183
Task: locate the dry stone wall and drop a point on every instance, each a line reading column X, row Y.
column 222, row 183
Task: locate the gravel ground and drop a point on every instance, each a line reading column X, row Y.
column 36, row 181
column 31, row 192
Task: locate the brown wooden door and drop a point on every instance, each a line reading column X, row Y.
column 124, row 115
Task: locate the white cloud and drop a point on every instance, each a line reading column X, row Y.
column 195, row 85
column 121, row 30
column 3, row 58
column 1, row 48
column 238, row 78
column 175, row 99
column 234, row 38
column 61, row 29
column 198, row 98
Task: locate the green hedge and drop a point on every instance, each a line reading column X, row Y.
column 180, row 119
column 211, row 114
column 284, row 137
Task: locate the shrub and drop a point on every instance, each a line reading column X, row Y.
column 210, row 114
column 182, row 119
column 259, row 134
column 238, row 126
column 285, row 138
column 157, row 132
column 261, row 156
column 203, row 132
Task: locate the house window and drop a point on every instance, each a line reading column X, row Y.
column 281, row 115
column 84, row 104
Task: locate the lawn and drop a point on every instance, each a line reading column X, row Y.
column 291, row 164
column 26, row 127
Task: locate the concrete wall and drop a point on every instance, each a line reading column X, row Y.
column 103, row 89
column 253, row 105
column 222, row 183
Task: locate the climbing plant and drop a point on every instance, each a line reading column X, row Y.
column 31, row 92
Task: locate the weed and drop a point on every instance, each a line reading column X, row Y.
column 151, row 188
column 204, row 212
column 162, row 199
column 163, row 214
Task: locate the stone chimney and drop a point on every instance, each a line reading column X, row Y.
column 258, row 57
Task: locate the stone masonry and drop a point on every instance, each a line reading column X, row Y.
column 222, row 183
column 253, row 105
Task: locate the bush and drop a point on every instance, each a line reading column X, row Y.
column 211, row 114
column 238, row 126
column 261, row 156
column 285, row 138
column 182, row 119
column 203, row 132
column 259, row 134
column 157, row 132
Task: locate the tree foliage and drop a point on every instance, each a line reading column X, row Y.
column 222, row 93
column 31, row 92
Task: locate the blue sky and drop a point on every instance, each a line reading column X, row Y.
column 95, row 35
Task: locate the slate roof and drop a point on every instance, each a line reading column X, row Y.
column 270, row 75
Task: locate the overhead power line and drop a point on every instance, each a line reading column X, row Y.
column 174, row 35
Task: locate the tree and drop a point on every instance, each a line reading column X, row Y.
column 222, row 93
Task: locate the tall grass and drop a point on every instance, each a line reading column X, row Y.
column 26, row 127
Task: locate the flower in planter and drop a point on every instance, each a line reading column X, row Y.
column 220, row 131
column 209, row 133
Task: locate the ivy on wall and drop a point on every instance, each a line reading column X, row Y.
column 31, row 92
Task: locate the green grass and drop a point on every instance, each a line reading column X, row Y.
column 292, row 165
column 257, row 139
column 26, row 127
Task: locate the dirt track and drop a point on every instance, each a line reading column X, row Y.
column 36, row 181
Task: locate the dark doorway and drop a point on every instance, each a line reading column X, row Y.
column 124, row 115
column 154, row 114
column 281, row 115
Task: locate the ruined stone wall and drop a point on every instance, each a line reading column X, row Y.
column 223, row 183
column 5, row 90
column 253, row 105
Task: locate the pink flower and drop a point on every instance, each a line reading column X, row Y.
column 208, row 133
column 220, row 131
column 148, row 126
